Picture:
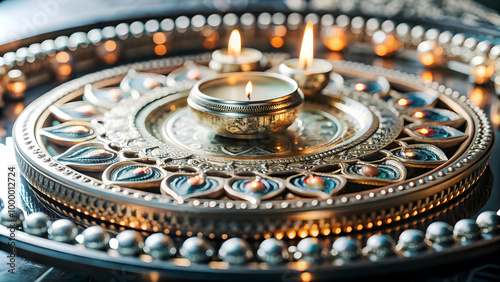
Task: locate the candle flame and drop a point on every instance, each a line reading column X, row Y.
column 307, row 49
column 249, row 89
column 234, row 46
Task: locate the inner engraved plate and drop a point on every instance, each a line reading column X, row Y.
column 311, row 131
column 326, row 126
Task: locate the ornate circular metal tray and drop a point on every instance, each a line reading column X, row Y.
column 376, row 152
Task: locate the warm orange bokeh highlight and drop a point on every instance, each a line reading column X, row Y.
column 17, row 87
column 277, row 42
column 306, row 277
column 62, row 57
column 479, row 96
column 427, row 77
column 335, row 40
column 160, row 50
column 482, row 73
column 159, row 38
column 495, row 113
column 110, row 45
column 427, row 59
column 387, row 45
column 64, row 70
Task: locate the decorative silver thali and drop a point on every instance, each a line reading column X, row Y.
column 377, row 152
column 336, row 135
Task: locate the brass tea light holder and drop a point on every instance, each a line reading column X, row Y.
column 246, row 105
column 312, row 74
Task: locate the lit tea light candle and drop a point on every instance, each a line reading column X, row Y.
column 235, row 58
column 314, row 181
column 246, row 105
column 312, row 74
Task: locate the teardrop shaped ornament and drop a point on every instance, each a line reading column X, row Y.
column 69, row 133
column 182, row 186
column 77, row 111
column 134, row 175
column 419, row 155
column 104, row 97
column 254, row 189
column 439, row 135
column 413, row 101
column 436, row 116
column 315, row 185
column 189, row 73
column 88, row 156
column 375, row 173
column 141, row 81
column 380, row 86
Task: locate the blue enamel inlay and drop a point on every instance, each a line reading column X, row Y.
column 270, row 186
column 436, row 133
column 330, row 184
column 182, row 188
column 143, row 82
column 430, row 115
column 418, row 99
column 71, row 131
column 90, row 155
column 110, row 96
column 135, row 173
column 385, row 172
column 420, row 154
column 82, row 111
column 371, row 87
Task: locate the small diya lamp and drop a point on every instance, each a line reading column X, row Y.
column 246, row 105
column 235, row 58
column 312, row 74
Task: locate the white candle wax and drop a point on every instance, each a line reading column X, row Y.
column 233, row 88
